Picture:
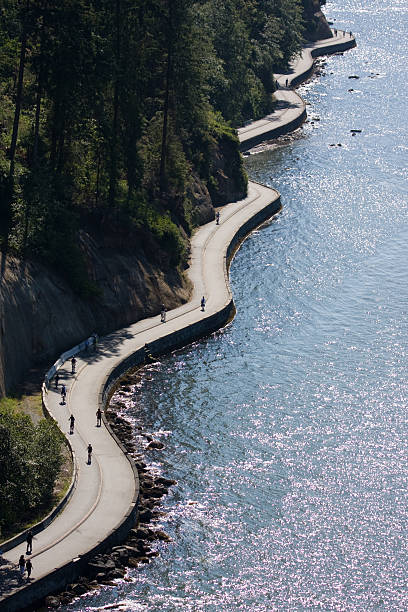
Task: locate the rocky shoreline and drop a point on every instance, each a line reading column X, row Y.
column 138, row 548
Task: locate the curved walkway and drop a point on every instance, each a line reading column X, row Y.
column 290, row 111
column 106, row 491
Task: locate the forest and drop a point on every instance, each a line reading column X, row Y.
column 109, row 109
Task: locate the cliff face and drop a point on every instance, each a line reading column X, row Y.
column 40, row 316
column 317, row 27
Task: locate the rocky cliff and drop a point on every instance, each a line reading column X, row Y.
column 317, row 27
column 40, row 315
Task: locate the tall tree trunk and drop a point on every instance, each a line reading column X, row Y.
column 38, row 104
column 114, row 161
column 34, row 164
column 54, row 131
column 17, row 109
column 98, row 173
column 163, row 155
column 8, row 185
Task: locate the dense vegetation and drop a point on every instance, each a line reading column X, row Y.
column 30, row 459
column 109, row 108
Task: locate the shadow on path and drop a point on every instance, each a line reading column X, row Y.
column 10, row 578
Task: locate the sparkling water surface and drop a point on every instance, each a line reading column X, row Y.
column 288, row 431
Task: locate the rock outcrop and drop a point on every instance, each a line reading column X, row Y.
column 40, row 316
column 317, row 27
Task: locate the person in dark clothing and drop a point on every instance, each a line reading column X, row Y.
column 71, row 424
column 203, row 303
column 21, row 565
column 29, row 540
column 94, row 341
column 73, row 364
column 89, row 454
column 63, row 393
column 98, row 417
column 56, row 379
column 29, row 567
column 163, row 313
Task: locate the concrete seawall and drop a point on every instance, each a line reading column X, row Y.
column 293, row 111
column 60, row 576
column 185, row 326
column 275, row 132
column 339, row 47
column 199, row 329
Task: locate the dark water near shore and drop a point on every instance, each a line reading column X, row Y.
column 288, row 431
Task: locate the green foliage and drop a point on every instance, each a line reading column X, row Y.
column 121, row 101
column 157, row 221
column 252, row 38
column 30, row 460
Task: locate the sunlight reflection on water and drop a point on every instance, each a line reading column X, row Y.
column 288, row 430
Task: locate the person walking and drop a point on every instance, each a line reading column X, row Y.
column 203, row 303
column 29, row 540
column 94, row 341
column 29, row 567
column 63, row 393
column 56, row 379
column 217, row 218
column 71, row 424
column 73, row 364
column 98, row 417
column 163, row 313
column 21, row 565
column 89, row 454
column 287, row 82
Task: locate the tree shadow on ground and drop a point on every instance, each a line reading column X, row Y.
column 10, row 578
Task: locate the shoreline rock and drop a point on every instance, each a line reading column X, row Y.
column 136, row 550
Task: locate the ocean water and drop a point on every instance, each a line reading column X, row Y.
column 288, row 430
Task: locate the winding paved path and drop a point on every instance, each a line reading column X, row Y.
column 106, row 490
column 290, row 109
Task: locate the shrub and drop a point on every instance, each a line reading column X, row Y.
column 30, row 460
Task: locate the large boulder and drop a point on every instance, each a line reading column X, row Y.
column 101, row 566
